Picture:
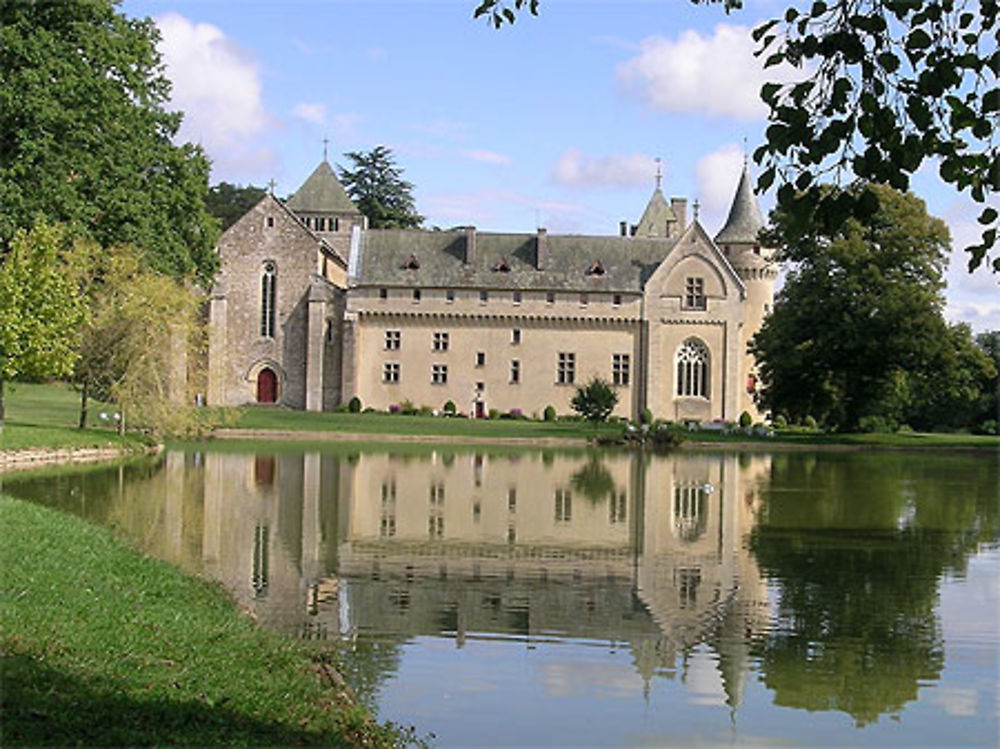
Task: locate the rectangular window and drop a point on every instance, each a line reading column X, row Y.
column 515, row 336
column 393, row 338
column 440, row 342
column 512, row 500
column 270, row 221
column 616, row 300
column 564, row 506
column 515, row 371
column 517, row 297
column 416, row 295
column 620, row 369
column 390, row 372
column 550, row 297
column 320, row 223
column 449, row 295
column 584, row 300
column 336, row 224
column 308, row 222
column 480, row 358
column 566, row 369
column 383, row 293
column 694, row 293
column 439, row 374
column 484, row 296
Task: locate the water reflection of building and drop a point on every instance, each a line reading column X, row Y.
column 645, row 552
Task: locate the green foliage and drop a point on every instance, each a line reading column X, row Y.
column 228, row 203
column 377, row 187
column 85, row 138
column 746, row 419
column 140, row 323
column 450, row 408
column 549, row 414
column 780, row 422
column 354, row 405
column 883, row 348
column 646, row 417
column 884, row 86
column 41, row 306
column 809, row 422
column 876, row 425
column 595, row 401
column 593, row 481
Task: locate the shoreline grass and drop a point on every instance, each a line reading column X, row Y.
column 102, row 646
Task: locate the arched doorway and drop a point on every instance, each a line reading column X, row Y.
column 267, row 386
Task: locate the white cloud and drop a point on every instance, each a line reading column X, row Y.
column 574, row 169
column 716, row 75
column 717, row 175
column 971, row 297
column 443, row 128
column 483, row 208
column 215, row 84
column 313, row 112
column 487, row 157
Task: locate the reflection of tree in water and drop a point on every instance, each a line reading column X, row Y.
column 366, row 663
column 593, row 481
column 856, row 548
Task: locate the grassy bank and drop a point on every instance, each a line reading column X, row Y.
column 101, row 646
column 46, row 417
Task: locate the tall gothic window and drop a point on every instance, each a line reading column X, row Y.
column 692, row 369
column 267, row 299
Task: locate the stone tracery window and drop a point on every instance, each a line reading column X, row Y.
column 692, row 369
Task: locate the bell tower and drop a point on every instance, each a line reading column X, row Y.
column 740, row 242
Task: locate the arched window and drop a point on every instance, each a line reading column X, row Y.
column 692, row 369
column 267, row 298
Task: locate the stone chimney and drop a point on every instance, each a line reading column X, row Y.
column 542, row 249
column 623, row 228
column 470, row 245
column 679, row 207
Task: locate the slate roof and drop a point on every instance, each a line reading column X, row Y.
column 322, row 193
column 656, row 217
column 386, row 259
column 745, row 221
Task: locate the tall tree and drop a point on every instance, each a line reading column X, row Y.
column 885, row 85
column 228, row 203
column 41, row 307
column 85, row 138
column 377, row 187
column 857, row 330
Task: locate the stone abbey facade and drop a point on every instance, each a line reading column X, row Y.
column 312, row 308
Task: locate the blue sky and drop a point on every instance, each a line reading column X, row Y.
column 556, row 121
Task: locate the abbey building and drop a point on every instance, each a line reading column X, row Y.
column 312, row 308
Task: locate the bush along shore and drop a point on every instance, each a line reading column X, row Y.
column 101, row 646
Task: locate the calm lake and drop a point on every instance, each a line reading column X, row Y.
column 509, row 597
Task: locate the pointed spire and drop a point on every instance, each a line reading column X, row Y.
column 326, row 142
column 322, row 193
column 659, row 173
column 745, row 220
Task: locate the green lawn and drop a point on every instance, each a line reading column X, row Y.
column 100, row 646
column 253, row 417
column 45, row 416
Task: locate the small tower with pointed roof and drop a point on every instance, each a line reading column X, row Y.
column 740, row 242
column 661, row 219
column 323, row 205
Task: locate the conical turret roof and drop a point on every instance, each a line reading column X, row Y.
column 745, row 220
column 322, row 193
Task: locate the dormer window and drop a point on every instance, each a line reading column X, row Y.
column 411, row 263
column 694, row 293
column 596, row 269
column 502, row 267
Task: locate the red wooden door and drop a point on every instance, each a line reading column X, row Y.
column 267, row 386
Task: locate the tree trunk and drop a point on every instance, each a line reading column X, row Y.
column 1, row 405
column 121, row 424
column 83, row 406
